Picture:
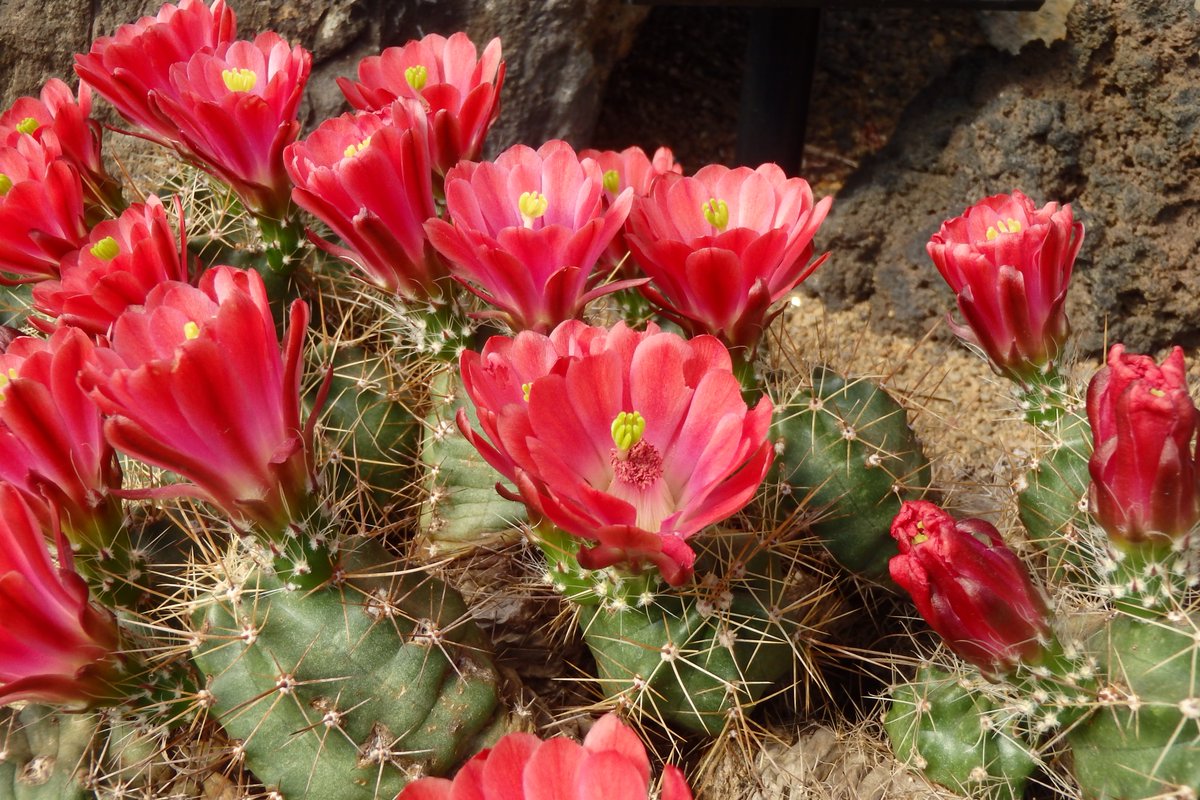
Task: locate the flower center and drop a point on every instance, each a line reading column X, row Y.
column 717, row 213
column 355, row 149
column 416, row 76
column 641, row 466
column 106, row 249
column 27, row 125
column 612, row 181
column 532, row 205
column 190, row 330
column 5, row 184
column 627, row 430
column 239, row 79
column 1009, row 225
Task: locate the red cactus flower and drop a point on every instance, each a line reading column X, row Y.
column 611, row 764
column 634, row 440
column 62, row 115
column 528, row 230
column 235, row 108
column 723, row 246
column 120, row 263
column 41, row 210
column 133, row 67
column 52, row 445
column 459, row 92
column 1143, row 464
column 367, row 177
column 1010, row 263
column 970, row 588
column 55, row 646
column 630, row 168
column 196, row 383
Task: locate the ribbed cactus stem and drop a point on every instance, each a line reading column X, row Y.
column 1046, row 400
column 609, row 588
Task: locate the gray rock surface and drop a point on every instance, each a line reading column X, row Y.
column 1108, row 120
column 559, row 52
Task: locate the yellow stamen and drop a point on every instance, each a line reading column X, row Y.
column 106, row 249
column 920, row 537
column 612, row 181
column 5, row 184
column 717, row 213
column 532, row 205
column 627, row 430
column 525, row 387
column 1158, row 393
column 239, row 79
column 416, row 76
column 28, row 125
column 355, row 149
column 190, row 330
column 1009, row 225
column 5, row 380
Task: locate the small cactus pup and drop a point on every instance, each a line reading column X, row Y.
column 624, row 445
column 959, row 735
column 845, row 450
column 45, row 754
column 1144, row 491
column 611, row 763
column 207, row 359
column 1142, row 738
column 350, row 690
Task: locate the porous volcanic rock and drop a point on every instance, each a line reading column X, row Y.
column 1107, row 119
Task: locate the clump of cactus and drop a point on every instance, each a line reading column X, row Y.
column 253, row 439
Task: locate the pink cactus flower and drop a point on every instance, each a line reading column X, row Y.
column 611, row 764
column 634, row 441
column 634, row 169
column 196, row 383
column 65, row 117
column 133, row 67
column 722, row 247
column 52, row 445
column 41, row 210
column 122, row 260
column 235, row 108
column 55, row 646
column 367, row 177
column 1010, row 263
column 459, row 91
column 527, row 232
column 970, row 588
column 1143, row 464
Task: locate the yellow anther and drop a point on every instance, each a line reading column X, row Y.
column 627, row 430
column 1009, row 225
column 416, row 76
column 5, row 184
column 532, row 205
column 190, row 330
column 28, row 125
column 239, row 79
column 717, row 213
column 919, row 538
column 612, row 181
column 525, row 387
column 355, row 149
column 1158, row 393
column 106, row 249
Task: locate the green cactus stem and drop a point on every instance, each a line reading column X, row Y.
column 958, row 736
column 1142, row 738
column 845, row 450
column 461, row 507
column 348, row 691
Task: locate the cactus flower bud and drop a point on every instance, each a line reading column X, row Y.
column 1009, row 263
column 611, row 763
column 970, row 588
column 1143, row 468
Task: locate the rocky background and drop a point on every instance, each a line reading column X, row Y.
column 915, row 114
